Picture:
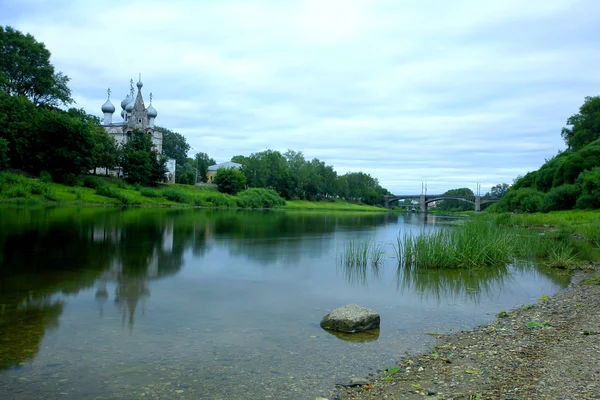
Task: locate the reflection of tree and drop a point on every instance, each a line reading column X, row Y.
column 22, row 328
column 272, row 236
column 467, row 284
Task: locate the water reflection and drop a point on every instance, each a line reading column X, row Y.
column 210, row 300
column 359, row 337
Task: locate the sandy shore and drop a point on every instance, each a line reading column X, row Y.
column 550, row 350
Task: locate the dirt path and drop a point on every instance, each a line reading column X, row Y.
column 550, row 350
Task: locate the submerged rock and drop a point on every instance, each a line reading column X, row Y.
column 351, row 318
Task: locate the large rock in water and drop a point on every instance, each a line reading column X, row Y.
column 351, row 318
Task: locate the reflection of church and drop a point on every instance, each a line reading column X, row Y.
column 131, row 281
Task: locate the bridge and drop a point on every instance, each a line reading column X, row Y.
column 426, row 199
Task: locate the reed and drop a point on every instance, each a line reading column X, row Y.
column 473, row 245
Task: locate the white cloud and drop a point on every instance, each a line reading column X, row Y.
column 449, row 92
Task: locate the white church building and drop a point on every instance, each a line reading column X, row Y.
column 134, row 115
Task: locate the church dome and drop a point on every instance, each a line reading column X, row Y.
column 152, row 112
column 123, row 114
column 108, row 107
column 126, row 101
column 139, row 84
column 129, row 107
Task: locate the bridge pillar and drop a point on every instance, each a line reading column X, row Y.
column 422, row 204
column 477, row 203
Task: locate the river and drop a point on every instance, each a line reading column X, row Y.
column 100, row 303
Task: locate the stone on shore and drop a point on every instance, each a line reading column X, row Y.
column 351, row 318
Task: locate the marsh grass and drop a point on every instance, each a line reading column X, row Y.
column 472, row 245
column 478, row 244
column 358, row 257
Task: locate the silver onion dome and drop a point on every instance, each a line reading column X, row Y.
column 126, row 101
column 108, row 107
column 152, row 112
column 129, row 107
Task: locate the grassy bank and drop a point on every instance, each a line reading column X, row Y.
column 95, row 190
column 582, row 224
column 337, row 205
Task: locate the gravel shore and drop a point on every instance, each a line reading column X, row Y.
column 549, row 350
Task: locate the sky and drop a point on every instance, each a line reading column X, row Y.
column 444, row 93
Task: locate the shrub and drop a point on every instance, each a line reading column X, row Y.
column 174, row 195
column 45, row 177
column 259, row 198
column 20, row 190
column 230, row 180
column 521, row 200
column 70, row 179
column 561, row 198
column 147, row 192
column 93, row 182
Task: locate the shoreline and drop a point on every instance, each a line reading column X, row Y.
column 548, row 350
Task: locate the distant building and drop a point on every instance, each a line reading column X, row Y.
column 212, row 170
column 135, row 116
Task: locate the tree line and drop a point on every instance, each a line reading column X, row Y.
column 571, row 179
column 37, row 135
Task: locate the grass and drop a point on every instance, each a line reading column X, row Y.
column 97, row 190
column 479, row 244
column 472, row 245
column 584, row 224
column 356, row 257
column 337, row 205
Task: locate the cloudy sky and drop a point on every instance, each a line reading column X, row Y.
column 448, row 92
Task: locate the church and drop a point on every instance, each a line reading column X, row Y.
column 135, row 115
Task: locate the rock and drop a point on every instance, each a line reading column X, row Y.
column 351, row 318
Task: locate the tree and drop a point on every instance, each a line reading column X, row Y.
column 203, row 161
column 62, row 145
column 230, row 180
column 105, row 150
column 4, row 154
column 175, row 146
column 499, row 190
column 140, row 162
column 585, row 125
column 456, row 205
column 25, row 70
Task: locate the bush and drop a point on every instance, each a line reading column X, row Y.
column 174, row 195
column 45, row 177
column 230, row 180
column 561, row 198
column 93, row 182
column 526, row 200
column 20, row 190
column 259, row 198
column 214, row 199
column 147, row 192
column 70, row 179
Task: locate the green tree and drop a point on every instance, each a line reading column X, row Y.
column 63, row 144
column 499, row 190
column 105, row 150
column 18, row 126
column 201, row 164
column 25, row 70
column 140, row 162
column 230, row 180
column 175, row 146
column 456, row 205
column 585, row 125
column 4, row 154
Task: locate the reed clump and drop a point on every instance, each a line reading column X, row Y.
column 475, row 244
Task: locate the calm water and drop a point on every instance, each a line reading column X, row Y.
column 204, row 304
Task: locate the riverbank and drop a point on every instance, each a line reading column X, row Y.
column 548, row 350
column 94, row 190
